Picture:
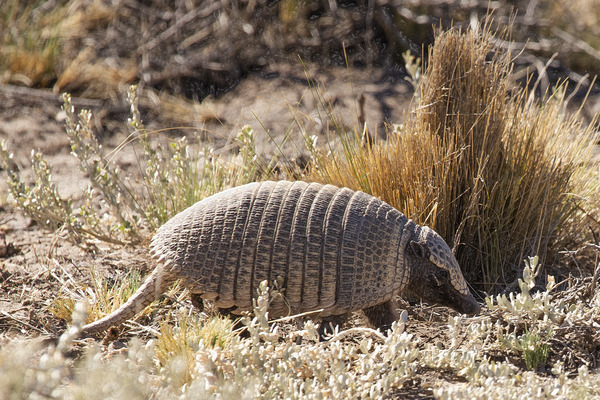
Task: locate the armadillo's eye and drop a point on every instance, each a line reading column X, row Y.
column 441, row 277
column 420, row 249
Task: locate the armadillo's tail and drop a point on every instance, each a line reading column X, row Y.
column 150, row 290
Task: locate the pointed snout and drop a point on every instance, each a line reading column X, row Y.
column 468, row 305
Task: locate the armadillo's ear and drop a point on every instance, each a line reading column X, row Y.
column 420, row 249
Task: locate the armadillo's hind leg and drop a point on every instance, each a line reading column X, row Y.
column 228, row 312
column 197, row 301
column 382, row 315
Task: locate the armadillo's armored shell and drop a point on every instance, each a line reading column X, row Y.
column 336, row 249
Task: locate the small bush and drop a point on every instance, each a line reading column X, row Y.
column 499, row 175
column 124, row 206
column 535, row 349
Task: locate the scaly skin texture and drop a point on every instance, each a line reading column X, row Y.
column 331, row 249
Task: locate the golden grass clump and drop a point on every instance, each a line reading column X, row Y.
column 496, row 174
column 96, row 77
column 29, row 47
column 39, row 45
column 182, row 342
column 105, row 298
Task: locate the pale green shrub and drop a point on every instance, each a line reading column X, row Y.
column 124, row 206
column 537, row 306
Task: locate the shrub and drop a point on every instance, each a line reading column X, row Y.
column 203, row 357
column 498, row 175
column 122, row 206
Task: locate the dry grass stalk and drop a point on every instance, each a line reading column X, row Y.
column 177, row 109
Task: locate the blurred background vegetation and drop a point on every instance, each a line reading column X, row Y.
column 92, row 48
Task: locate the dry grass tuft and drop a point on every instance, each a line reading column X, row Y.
column 28, row 48
column 178, row 110
column 33, row 37
column 495, row 173
column 182, row 342
column 96, row 77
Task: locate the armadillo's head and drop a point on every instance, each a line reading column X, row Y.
column 435, row 275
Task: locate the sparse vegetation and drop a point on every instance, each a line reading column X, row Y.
column 501, row 175
column 173, row 176
column 201, row 358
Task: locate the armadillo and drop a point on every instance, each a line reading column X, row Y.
column 331, row 249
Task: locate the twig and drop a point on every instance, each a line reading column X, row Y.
column 573, row 41
column 44, row 95
column 288, row 318
column 585, row 246
column 7, row 315
column 541, row 79
column 365, row 331
column 595, row 277
column 176, row 27
column 141, row 328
